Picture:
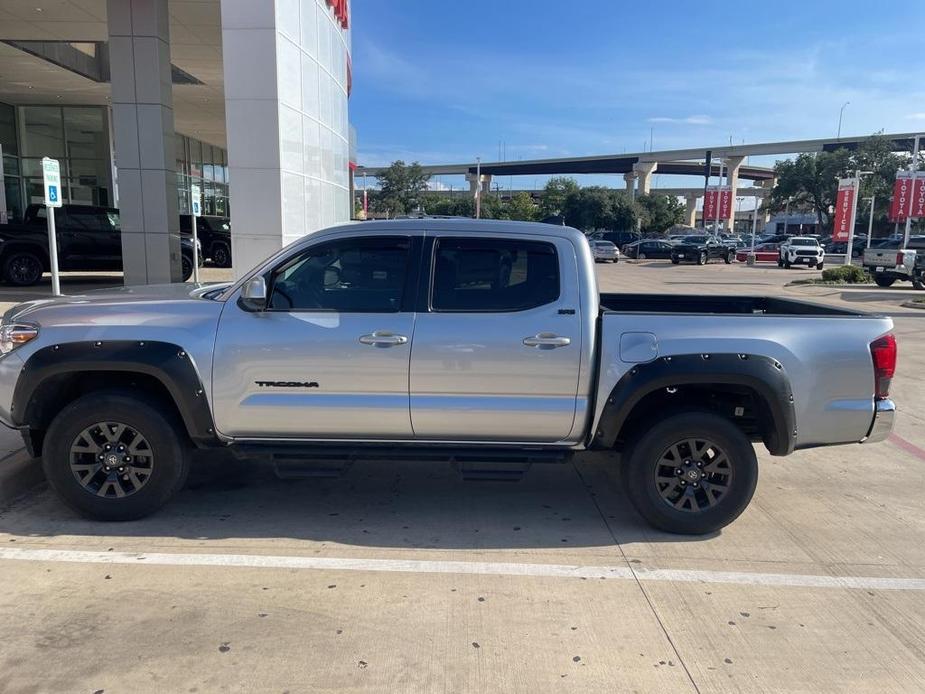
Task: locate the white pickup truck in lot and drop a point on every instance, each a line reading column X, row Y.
column 478, row 342
column 891, row 263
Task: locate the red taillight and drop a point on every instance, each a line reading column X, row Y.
column 900, row 259
column 883, row 352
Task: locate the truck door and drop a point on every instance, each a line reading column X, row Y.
column 328, row 358
column 496, row 354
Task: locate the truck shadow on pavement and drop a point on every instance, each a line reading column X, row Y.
column 411, row 506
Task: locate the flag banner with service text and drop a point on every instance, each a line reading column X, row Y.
column 844, row 209
column 908, row 196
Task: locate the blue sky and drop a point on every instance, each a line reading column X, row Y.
column 439, row 81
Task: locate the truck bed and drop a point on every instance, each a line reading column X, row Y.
column 736, row 305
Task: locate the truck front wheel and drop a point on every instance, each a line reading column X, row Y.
column 113, row 456
column 691, row 473
column 22, row 269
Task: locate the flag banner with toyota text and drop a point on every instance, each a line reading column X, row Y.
column 717, row 203
column 908, row 195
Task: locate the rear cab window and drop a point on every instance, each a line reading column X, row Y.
column 493, row 275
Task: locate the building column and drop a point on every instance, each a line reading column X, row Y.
column 732, row 176
column 645, row 170
column 474, row 183
column 285, row 69
column 142, row 116
column 691, row 211
column 630, row 179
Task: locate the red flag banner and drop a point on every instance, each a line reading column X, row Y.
column 725, row 203
column 908, row 196
column 844, row 208
column 709, row 205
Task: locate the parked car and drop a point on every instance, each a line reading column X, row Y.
column 840, row 247
column 89, row 239
column 619, row 238
column 764, row 253
column 363, row 341
column 214, row 233
column 648, row 249
column 701, row 249
column 604, row 252
column 801, row 250
column 889, row 265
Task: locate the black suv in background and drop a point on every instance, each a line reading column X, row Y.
column 702, row 248
column 214, row 234
column 89, row 239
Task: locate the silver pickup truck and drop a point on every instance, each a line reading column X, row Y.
column 477, row 342
column 890, row 263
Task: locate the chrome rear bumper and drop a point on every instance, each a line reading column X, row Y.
column 880, row 428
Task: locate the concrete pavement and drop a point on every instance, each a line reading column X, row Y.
column 401, row 577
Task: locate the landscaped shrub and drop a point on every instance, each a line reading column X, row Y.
column 849, row 274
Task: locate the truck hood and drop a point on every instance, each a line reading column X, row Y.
column 106, row 300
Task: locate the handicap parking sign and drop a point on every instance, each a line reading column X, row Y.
column 53, row 193
column 51, row 172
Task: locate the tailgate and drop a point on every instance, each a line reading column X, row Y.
column 880, row 257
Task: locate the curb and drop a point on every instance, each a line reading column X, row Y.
column 913, row 304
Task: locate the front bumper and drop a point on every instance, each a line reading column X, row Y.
column 884, row 416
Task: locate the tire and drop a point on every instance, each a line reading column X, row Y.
column 728, row 258
column 780, row 263
column 884, row 281
column 22, row 269
column 646, row 457
column 918, row 282
column 702, row 260
column 787, row 265
column 675, row 261
column 641, row 256
column 186, row 267
column 164, row 454
column 819, row 266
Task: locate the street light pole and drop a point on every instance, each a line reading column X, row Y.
column 870, row 220
column 841, row 112
column 913, row 167
column 478, row 187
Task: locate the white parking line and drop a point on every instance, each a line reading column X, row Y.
column 464, row 567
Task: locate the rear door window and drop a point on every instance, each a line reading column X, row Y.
column 497, row 275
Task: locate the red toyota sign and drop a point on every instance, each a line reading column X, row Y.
column 844, row 209
column 725, row 203
column 717, row 204
column 908, row 196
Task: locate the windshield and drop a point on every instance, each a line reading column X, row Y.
column 803, row 242
column 695, row 239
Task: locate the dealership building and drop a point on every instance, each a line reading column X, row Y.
column 140, row 100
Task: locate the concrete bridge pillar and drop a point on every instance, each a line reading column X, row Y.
column 691, row 212
column 644, row 171
column 473, row 183
column 630, row 179
column 733, row 164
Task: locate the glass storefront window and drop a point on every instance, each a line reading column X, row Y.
column 43, row 132
column 8, row 131
column 85, row 133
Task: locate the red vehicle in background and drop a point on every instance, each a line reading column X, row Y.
column 764, row 253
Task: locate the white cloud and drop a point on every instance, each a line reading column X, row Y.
column 687, row 120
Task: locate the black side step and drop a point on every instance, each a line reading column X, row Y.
column 298, row 460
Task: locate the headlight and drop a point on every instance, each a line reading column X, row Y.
column 16, row 334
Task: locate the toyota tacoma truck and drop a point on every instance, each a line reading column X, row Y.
column 890, row 263
column 476, row 342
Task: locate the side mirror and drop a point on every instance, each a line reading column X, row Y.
column 254, row 294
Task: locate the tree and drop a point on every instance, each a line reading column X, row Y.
column 810, row 181
column 555, row 192
column 520, row 207
column 401, row 187
column 659, row 212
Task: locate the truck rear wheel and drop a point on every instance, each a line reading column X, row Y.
column 884, row 281
column 691, row 473
column 221, row 254
column 113, row 456
column 702, row 260
column 22, row 269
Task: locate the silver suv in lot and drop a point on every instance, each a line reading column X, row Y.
column 470, row 341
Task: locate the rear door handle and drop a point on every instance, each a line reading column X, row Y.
column 383, row 338
column 547, row 340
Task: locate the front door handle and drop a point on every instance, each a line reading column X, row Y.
column 547, row 341
column 383, row 338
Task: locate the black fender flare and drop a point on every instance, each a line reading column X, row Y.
column 167, row 363
column 763, row 375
